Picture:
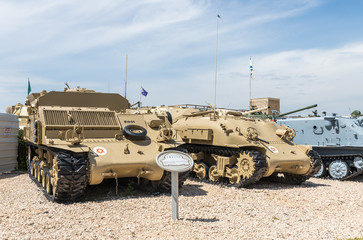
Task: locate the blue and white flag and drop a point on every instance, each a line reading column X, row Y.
column 251, row 68
column 143, row 92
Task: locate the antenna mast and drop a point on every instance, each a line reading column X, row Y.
column 215, row 75
column 251, row 70
column 126, row 77
column 65, row 84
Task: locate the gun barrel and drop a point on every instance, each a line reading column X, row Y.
column 253, row 111
column 298, row 110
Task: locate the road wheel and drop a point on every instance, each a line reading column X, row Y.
column 322, row 172
column 33, row 165
column 32, row 168
column 39, row 172
column 338, row 169
column 44, row 171
column 235, row 176
column 358, row 163
column 213, row 173
column 201, row 170
column 48, row 182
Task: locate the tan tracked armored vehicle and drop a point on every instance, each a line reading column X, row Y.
column 80, row 137
column 21, row 112
column 229, row 147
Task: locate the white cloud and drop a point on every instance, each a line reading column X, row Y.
column 65, row 27
column 330, row 78
column 40, row 29
column 171, row 47
column 14, row 86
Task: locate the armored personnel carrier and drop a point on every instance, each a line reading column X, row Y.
column 228, row 147
column 80, row 137
column 338, row 140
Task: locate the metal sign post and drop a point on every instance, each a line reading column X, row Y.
column 174, row 195
column 174, row 162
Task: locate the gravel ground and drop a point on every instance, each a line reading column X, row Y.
column 318, row 209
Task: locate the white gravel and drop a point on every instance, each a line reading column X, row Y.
column 319, row 209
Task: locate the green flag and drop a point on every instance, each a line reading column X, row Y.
column 29, row 87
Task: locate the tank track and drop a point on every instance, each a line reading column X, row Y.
column 28, row 166
column 345, row 158
column 315, row 163
column 354, row 174
column 261, row 166
column 259, row 159
column 297, row 179
column 72, row 177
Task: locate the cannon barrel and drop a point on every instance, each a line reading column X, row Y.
column 253, row 111
column 298, row 110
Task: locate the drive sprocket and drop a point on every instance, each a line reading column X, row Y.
column 252, row 166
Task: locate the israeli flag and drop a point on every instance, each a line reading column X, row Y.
column 143, row 92
column 251, row 68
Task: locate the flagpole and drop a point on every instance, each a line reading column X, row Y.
column 140, row 97
column 250, row 81
column 126, row 77
column 215, row 75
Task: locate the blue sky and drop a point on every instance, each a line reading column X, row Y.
column 303, row 52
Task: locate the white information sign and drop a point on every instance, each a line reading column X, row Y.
column 174, row 162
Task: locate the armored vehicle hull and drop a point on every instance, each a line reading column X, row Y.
column 231, row 148
column 79, row 138
column 337, row 139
